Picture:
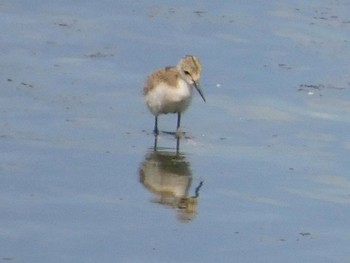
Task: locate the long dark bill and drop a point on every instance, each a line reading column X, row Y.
column 198, row 88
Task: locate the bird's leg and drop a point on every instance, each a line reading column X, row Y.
column 178, row 120
column 178, row 130
column 156, row 131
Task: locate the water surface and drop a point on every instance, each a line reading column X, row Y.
column 261, row 175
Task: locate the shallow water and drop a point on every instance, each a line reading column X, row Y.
column 261, row 174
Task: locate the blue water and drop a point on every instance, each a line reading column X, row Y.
column 261, row 175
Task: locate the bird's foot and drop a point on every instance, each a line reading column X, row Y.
column 155, row 132
column 179, row 133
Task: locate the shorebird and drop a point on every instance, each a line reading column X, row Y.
column 170, row 90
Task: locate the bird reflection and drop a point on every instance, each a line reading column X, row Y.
column 168, row 176
column 177, row 137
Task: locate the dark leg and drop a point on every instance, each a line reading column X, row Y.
column 178, row 130
column 155, row 131
column 178, row 121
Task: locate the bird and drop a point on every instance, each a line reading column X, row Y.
column 170, row 89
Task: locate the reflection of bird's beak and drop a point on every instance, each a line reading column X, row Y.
column 198, row 88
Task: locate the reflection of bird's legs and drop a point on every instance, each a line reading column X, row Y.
column 177, row 145
column 155, row 142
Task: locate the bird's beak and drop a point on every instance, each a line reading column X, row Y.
column 198, row 88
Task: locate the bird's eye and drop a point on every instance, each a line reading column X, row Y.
column 187, row 73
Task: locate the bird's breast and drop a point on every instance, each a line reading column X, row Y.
column 169, row 99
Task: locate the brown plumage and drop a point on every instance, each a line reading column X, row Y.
column 170, row 90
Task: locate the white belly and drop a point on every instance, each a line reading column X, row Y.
column 164, row 99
